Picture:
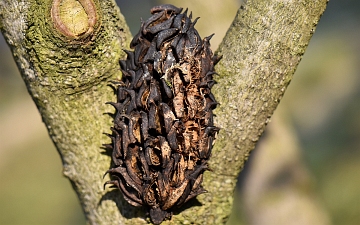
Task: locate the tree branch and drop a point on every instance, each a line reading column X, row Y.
column 66, row 65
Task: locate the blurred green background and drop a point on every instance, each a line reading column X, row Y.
column 317, row 125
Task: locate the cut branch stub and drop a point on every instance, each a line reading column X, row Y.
column 163, row 128
column 75, row 20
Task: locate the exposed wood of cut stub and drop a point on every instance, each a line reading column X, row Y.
column 163, row 129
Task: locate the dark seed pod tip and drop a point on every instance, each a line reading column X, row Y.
column 194, row 22
column 167, row 8
column 209, row 37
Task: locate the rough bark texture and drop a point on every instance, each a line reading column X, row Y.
column 67, row 76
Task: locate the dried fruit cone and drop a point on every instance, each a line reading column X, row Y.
column 163, row 127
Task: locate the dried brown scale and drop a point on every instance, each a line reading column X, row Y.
column 163, row 127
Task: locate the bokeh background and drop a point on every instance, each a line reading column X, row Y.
column 305, row 170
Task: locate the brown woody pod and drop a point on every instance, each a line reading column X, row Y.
column 163, row 128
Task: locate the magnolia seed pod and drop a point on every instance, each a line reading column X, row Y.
column 163, row 126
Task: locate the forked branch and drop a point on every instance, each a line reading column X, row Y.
column 67, row 74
